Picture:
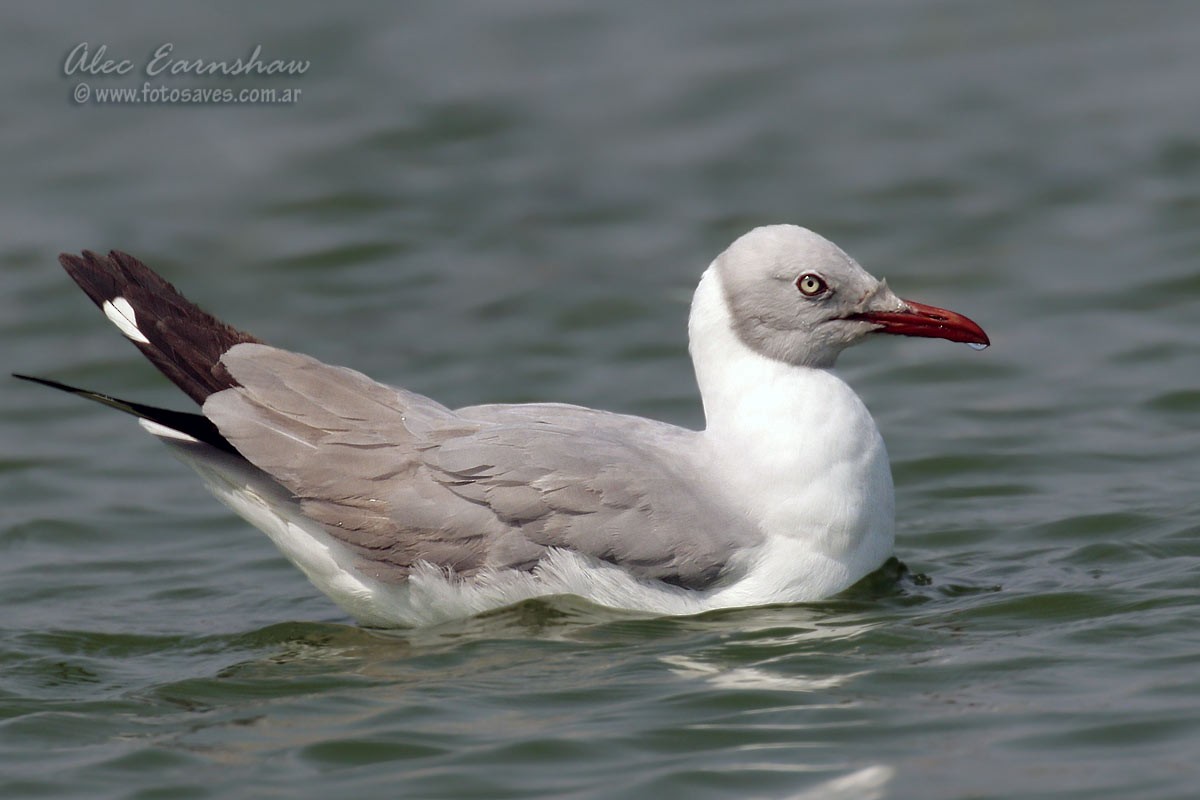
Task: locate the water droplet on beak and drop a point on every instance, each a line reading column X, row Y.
column 977, row 346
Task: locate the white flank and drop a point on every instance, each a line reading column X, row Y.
column 121, row 314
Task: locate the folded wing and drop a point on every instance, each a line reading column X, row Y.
column 402, row 480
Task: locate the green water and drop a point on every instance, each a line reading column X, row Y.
column 507, row 202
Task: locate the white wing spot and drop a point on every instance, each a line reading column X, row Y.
column 164, row 432
column 121, row 314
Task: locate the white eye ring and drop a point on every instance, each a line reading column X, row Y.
column 811, row 284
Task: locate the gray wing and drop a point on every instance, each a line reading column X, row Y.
column 401, row 479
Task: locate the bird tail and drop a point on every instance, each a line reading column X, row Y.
column 194, row 426
column 182, row 340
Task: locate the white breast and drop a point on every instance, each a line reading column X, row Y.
column 798, row 452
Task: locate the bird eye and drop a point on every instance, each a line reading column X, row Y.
column 811, row 285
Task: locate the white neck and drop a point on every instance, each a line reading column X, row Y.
column 795, row 444
column 741, row 389
column 733, row 379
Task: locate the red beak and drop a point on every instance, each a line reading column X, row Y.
column 930, row 322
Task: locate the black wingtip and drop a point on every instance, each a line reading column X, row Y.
column 43, row 382
column 182, row 340
column 70, row 261
column 194, row 425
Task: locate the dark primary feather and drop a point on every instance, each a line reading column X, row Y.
column 193, row 425
column 186, row 342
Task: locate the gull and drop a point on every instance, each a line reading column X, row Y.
column 405, row 512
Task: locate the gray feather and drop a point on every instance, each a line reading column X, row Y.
column 402, row 480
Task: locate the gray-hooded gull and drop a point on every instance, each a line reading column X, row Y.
column 406, row 512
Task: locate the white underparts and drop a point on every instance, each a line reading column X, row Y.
column 121, row 313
